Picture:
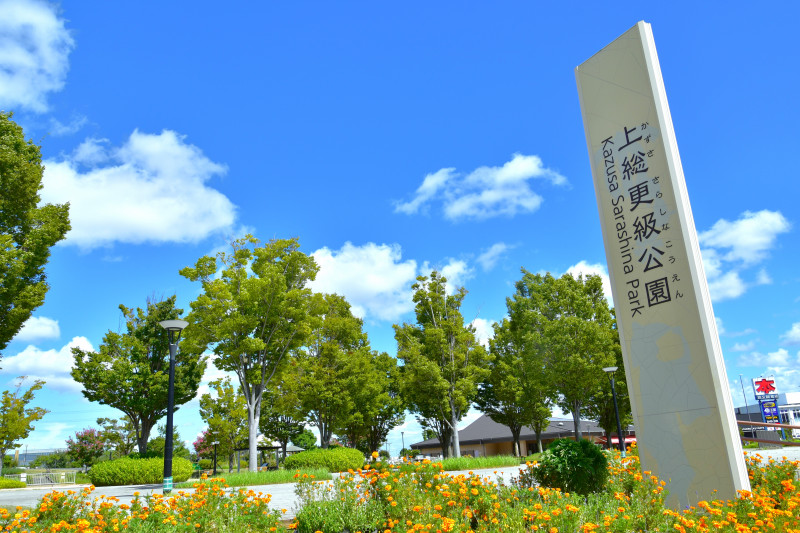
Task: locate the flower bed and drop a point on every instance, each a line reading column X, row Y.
column 422, row 497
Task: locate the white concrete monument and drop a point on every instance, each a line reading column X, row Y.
column 682, row 410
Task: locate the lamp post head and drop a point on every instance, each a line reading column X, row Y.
column 610, row 369
column 215, row 442
column 173, row 327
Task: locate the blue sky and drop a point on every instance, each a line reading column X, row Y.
column 390, row 139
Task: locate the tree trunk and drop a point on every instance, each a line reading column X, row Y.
column 454, row 427
column 576, row 418
column 230, row 462
column 143, row 435
column 515, row 431
column 252, row 437
column 284, row 443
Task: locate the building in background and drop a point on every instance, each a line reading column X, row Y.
column 486, row 437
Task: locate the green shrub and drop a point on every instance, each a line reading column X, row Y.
column 335, row 460
column 572, row 466
column 12, row 470
column 11, row 484
column 206, row 464
column 149, row 454
column 127, row 471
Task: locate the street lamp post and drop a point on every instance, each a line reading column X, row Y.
column 403, row 439
column 610, row 371
column 215, row 457
column 174, row 328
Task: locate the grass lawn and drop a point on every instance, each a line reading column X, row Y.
column 476, row 463
column 272, row 477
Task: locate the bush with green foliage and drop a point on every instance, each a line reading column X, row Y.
column 335, row 460
column 9, row 462
column 127, row 471
column 206, row 464
column 149, row 454
column 11, row 484
column 54, row 460
column 572, row 466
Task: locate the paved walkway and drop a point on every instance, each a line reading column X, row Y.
column 283, row 496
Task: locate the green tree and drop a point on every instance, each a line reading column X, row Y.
column 27, row 230
column 600, row 406
column 118, row 435
column 159, row 443
column 568, row 321
column 515, row 392
column 226, row 415
column 253, row 312
column 326, row 369
column 282, row 418
column 442, row 361
column 131, row 370
column 16, row 418
column 377, row 406
column 86, row 447
column 305, row 440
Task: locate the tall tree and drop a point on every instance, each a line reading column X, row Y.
column 600, row 406
column 226, row 415
column 568, row 321
column 131, row 370
column 282, row 416
column 252, row 312
column 27, row 230
column 86, row 447
column 327, row 378
column 377, row 406
column 16, row 418
column 442, row 361
column 515, row 392
column 118, row 435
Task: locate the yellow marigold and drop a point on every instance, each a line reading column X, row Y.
column 375, row 455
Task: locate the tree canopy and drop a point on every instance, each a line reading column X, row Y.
column 226, row 415
column 442, row 361
column 515, row 392
column 27, row 230
column 568, row 322
column 252, row 313
column 16, row 418
column 131, row 370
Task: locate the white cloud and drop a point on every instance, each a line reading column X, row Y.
column 726, row 286
column 730, row 248
column 747, row 239
column 743, row 347
column 91, row 152
column 456, row 272
column 483, row 330
column 793, row 335
column 596, row 269
column 38, row 328
column 779, row 358
column 431, row 185
column 155, row 192
column 34, row 50
column 489, row 258
column 485, row 192
column 720, row 326
column 372, row 277
column 52, row 366
column 59, row 129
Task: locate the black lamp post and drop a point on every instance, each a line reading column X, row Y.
column 403, row 439
column 610, row 371
column 215, row 457
column 174, row 328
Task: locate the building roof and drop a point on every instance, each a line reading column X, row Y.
column 486, row 430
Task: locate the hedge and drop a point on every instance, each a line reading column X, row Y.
column 6, row 483
column 334, row 459
column 127, row 471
